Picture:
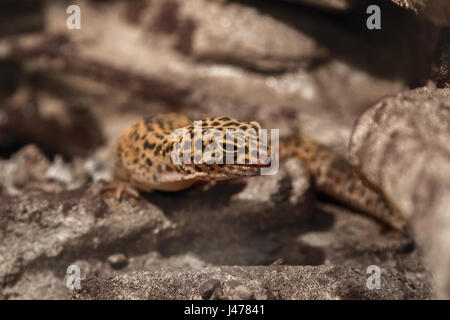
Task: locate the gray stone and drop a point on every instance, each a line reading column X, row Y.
column 334, row 5
column 271, row 282
column 231, row 33
column 402, row 145
column 437, row 11
column 118, row 260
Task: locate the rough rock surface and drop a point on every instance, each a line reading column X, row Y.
column 440, row 67
column 437, row 11
column 402, row 146
column 337, row 5
column 250, row 222
column 232, row 34
column 260, row 283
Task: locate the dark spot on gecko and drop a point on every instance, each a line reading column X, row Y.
column 224, row 119
column 255, row 127
column 197, row 168
column 157, row 150
column 232, row 123
column 159, row 168
column 149, row 119
column 169, row 168
column 148, row 145
column 215, row 123
column 148, row 162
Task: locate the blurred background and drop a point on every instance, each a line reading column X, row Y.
column 300, row 66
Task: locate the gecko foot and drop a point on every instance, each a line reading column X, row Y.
column 119, row 189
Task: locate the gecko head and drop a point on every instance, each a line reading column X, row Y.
column 221, row 148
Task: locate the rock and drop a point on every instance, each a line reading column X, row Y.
column 235, row 290
column 437, row 11
column 231, row 33
column 30, row 171
column 251, row 222
column 207, row 288
column 54, row 126
column 57, row 227
column 63, row 227
column 11, row 77
column 117, row 261
column 220, row 220
column 440, row 67
column 402, row 146
column 334, row 5
column 288, row 282
column 21, row 17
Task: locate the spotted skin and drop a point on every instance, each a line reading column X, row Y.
column 332, row 175
column 143, row 152
column 143, row 158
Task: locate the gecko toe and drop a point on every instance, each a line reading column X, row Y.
column 119, row 189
